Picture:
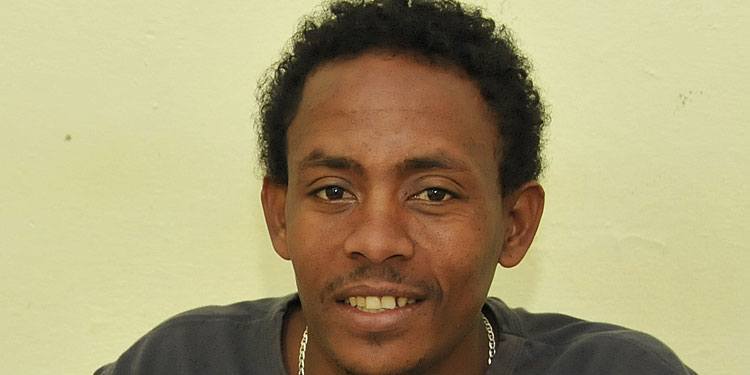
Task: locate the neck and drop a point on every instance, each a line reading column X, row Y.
column 294, row 325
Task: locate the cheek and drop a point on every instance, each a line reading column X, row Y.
column 309, row 232
column 308, row 241
column 315, row 242
column 462, row 250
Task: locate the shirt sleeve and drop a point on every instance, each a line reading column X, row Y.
column 621, row 352
column 105, row 370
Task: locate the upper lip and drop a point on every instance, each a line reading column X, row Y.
column 379, row 289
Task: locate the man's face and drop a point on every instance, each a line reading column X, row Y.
column 392, row 199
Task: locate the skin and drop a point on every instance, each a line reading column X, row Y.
column 393, row 188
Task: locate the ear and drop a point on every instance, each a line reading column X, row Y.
column 273, row 198
column 523, row 209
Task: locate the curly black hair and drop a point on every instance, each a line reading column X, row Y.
column 440, row 30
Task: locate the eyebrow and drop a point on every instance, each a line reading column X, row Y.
column 318, row 158
column 431, row 162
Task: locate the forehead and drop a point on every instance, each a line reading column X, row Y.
column 381, row 106
column 389, row 80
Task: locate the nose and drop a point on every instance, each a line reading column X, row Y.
column 379, row 233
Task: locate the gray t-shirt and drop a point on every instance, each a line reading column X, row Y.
column 245, row 338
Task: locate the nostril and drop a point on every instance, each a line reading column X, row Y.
column 378, row 244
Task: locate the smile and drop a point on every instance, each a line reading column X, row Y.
column 375, row 304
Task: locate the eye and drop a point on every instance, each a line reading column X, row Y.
column 333, row 193
column 434, row 195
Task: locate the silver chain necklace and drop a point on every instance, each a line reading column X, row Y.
column 487, row 327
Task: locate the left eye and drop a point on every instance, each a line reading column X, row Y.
column 433, row 195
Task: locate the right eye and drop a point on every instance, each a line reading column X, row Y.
column 333, row 193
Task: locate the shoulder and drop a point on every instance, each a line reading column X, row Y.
column 615, row 350
column 213, row 339
column 561, row 344
column 246, row 312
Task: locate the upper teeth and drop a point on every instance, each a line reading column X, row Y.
column 375, row 303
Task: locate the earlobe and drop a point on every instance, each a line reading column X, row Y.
column 273, row 198
column 525, row 207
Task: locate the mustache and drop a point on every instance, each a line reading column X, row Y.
column 383, row 273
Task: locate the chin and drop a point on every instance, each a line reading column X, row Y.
column 382, row 366
column 379, row 358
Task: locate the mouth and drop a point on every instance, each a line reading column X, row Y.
column 368, row 308
column 377, row 304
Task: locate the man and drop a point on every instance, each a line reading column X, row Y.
column 400, row 141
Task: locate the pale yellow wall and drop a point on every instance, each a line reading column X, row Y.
column 149, row 207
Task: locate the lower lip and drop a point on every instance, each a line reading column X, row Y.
column 382, row 321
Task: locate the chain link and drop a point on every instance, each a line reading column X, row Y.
column 490, row 338
column 302, row 348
